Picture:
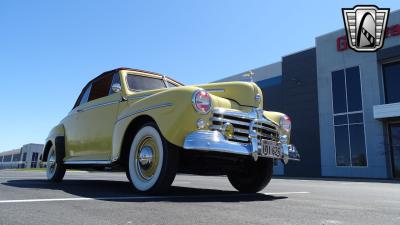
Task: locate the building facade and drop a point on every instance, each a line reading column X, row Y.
column 345, row 106
column 26, row 157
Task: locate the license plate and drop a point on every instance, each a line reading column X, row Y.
column 270, row 149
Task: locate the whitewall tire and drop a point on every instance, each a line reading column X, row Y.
column 152, row 165
column 55, row 170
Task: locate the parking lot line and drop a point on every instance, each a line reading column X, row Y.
column 286, row 193
column 140, row 197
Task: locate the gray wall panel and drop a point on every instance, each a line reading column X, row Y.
column 301, row 104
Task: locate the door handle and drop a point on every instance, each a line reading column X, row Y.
column 123, row 99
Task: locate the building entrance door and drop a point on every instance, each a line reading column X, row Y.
column 395, row 148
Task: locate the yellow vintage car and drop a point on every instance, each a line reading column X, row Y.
column 152, row 127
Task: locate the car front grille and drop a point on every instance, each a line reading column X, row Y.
column 241, row 122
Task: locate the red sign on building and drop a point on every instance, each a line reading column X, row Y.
column 341, row 42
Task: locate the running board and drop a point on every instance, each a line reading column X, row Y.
column 88, row 162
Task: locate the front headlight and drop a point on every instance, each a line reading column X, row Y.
column 285, row 123
column 201, row 101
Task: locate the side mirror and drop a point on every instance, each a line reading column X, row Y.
column 116, row 87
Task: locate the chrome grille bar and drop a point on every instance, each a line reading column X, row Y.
column 241, row 122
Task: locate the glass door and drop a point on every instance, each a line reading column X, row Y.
column 395, row 148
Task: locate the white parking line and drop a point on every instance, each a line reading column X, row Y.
column 286, row 193
column 140, row 197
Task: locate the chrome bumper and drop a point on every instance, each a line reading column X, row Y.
column 214, row 141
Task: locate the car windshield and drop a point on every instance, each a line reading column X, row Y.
column 142, row 83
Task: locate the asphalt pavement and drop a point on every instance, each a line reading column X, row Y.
column 106, row 198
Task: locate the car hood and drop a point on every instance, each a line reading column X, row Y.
column 244, row 93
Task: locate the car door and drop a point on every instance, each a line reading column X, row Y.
column 94, row 123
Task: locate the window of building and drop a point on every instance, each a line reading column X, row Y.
column 348, row 118
column 391, row 78
column 1, row 158
column 24, row 157
column 16, row 157
column 141, row 83
column 7, row 158
column 35, row 157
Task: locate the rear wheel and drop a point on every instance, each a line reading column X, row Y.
column 152, row 165
column 55, row 170
column 255, row 178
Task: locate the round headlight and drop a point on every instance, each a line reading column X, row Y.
column 285, row 123
column 201, row 101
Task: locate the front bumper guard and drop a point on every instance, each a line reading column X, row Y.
column 214, row 141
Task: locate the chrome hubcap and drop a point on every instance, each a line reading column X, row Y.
column 51, row 162
column 147, row 157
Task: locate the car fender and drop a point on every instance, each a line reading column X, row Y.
column 275, row 117
column 55, row 135
column 172, row 110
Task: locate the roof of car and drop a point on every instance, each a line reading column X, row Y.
column 134, row 70
column 137, row 70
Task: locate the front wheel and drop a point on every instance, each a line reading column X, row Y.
column 255, row 178
column 152, row 165
column 55, row 171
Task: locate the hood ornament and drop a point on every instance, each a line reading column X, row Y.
column 250, row 75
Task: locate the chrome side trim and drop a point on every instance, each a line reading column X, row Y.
column 215, row 90
column 167, row 104
column 97, row 106
column 87, row 162
column 139, row 97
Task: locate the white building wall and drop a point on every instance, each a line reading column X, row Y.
column 329, row 60
column 29, row 149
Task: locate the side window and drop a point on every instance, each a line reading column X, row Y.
column 115, row 80
column 100, row 87
column 85, row 96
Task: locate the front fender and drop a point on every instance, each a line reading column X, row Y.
column 172, row 110
column 275, row 117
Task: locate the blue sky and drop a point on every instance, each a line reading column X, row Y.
column 50, row 49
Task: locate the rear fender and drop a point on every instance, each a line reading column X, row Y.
column 56, row 137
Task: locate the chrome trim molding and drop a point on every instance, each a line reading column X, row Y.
column 214, row 141
column 87, row 162
column 215, row 90
column 97, row 106
column 139, row 97
column 167, row 104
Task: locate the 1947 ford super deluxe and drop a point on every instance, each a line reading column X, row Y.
column 152, row 127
